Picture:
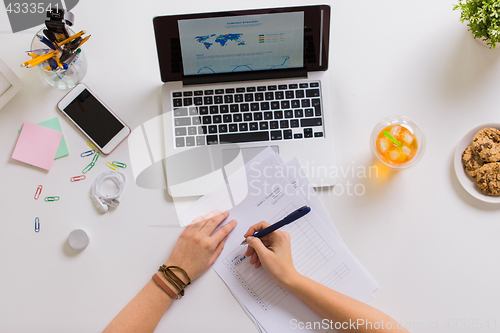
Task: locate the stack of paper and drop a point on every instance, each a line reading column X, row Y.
column 266, row 189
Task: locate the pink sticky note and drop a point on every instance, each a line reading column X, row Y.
column 37, row 145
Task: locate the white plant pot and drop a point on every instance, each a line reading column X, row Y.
column 482, row 42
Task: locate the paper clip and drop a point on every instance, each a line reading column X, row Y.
column 37, row 224
column 119, row 164
column 91, row 165
column 48, row 199
column 87, row 153
column 91, row 145
column 112, row 166
column 96, row 156
column 78, row 178
column 38, row 192
column 87, row 168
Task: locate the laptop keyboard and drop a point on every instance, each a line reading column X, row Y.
column 248, row 114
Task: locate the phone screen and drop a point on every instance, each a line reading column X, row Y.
column 93, row 118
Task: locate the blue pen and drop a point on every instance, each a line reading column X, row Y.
column 52, row 64
column 46, row 42
column 293, row 216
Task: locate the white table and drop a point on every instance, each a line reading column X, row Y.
column 432, row 247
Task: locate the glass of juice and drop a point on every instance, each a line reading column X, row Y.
column 397, row 142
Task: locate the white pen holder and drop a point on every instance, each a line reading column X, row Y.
column 60, row 78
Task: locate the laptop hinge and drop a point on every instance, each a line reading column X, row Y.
column 245, row 76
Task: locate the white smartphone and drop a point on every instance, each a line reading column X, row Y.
column 94, row 118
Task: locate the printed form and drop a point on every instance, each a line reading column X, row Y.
column 317, row 250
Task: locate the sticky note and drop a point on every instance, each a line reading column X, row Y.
column 37, row 145
column 56, row 125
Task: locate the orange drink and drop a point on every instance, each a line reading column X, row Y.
column 397, row 142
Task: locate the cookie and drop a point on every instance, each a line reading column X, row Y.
column 486, row 144
column 471, row 161
column 488, row 178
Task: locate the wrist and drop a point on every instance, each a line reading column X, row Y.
column 290, row 280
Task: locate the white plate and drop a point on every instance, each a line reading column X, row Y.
column 467, row 182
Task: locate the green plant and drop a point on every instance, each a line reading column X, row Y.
column 483, row 18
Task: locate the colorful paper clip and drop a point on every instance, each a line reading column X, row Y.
column 119, row 164
column 87, row 168
column 112, row 166
column 48, row 199
column 87, row 153
column 38, row 192
column 78, row 178
column 37, row 224
column 96, row 156
column 91, row 145
column 91, row 165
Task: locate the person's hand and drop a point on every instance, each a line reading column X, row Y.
column 197, row 249
column 273, row 252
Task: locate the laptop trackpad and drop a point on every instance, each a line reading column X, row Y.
column 198, row 171
column 231, row 164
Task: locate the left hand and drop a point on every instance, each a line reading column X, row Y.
column 197, row 249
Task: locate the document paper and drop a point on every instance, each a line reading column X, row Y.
column 317, row 250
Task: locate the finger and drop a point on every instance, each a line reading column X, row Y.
column 249, row 251
column 258, row 246
column 220, row 234
column 256, row 227
column 258, row 263
column 211, row 224
column 218, row 250
column 212, row 214
column 206, row 216
column 266, row 240
column 253, row 258
column 198, row 223
column 188, row 228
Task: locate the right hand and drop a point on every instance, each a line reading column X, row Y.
column 273, row 252
column 199, row 246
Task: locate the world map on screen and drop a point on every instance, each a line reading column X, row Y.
column 209, row 40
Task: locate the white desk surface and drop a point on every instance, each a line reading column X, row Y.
column 432, row 247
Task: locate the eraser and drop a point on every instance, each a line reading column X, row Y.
column 78, row 239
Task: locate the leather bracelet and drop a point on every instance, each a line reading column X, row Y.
column 175, row 281
column 164, row 286
column 171, row 277
column 179, row 287
column 164, row 268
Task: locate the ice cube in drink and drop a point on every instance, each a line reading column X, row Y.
column 396, row 145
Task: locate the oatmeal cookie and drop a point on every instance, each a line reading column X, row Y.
column 486, row 144
column 471, row 161
column 488, row 178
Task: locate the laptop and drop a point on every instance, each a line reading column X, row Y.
column 237, row 82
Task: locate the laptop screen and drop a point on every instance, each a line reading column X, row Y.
column 242, row 43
